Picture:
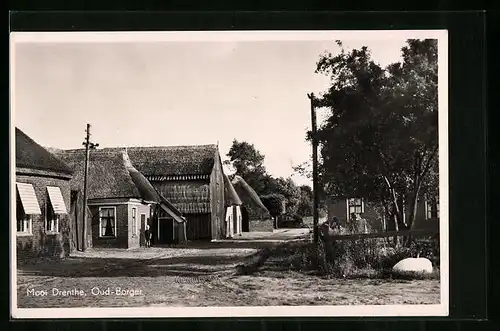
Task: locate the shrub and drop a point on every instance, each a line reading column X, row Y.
column 290, row 220
column 368, row 258
column 275, row 203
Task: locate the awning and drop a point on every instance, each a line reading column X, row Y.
column 28, row 198
column 56, row 199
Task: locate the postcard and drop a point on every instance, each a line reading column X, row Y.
column 229, row 174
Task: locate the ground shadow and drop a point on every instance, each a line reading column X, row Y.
column 225, row 244
column 115, row 267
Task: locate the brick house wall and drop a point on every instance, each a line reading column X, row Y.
column 124, row 237
column 40, row 243
column 121, row 231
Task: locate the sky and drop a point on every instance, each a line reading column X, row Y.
column 162, row 93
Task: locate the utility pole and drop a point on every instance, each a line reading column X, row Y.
column 88, row 146
column 315, row 169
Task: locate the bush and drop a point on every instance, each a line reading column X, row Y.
column 275, row 203
column 290, row 220
column 365, row 258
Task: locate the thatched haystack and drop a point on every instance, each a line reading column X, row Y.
column 250, row 199
column 231, row 198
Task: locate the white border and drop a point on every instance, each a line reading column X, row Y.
column 441, row 309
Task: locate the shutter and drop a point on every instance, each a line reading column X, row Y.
column 28, row 198
column 56, row 199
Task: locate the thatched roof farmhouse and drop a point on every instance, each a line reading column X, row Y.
column 116, row 186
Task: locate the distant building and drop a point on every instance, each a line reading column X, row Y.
column 344, row 208
column 42, row 200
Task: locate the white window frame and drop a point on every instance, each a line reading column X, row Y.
column 349, row 213
column 101, row 235
column 27, row 225
column 52, row 225
column 134, row 221
column 27, row 221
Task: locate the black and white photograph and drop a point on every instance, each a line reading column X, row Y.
column 229, row 173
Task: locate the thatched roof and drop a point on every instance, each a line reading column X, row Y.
column 109, row 175
column 230, row 196
column 172, row 160
column 248, row 195
column 31, row 155
column 190, row 197
column 146, row 190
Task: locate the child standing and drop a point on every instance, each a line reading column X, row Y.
column 148, row 236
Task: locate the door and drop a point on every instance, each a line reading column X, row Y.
column 245, row 220
column 235, row 219
column 142, row 228
column 165, row 230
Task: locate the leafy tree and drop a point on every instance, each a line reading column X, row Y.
column 290, row 191
column 380, row 138
column 248, row 163
column 305, row 207
column 275, row 203
column 245, row 158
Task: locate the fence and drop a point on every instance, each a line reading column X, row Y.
column 387, row 234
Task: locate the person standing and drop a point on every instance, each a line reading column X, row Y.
column 148, row 236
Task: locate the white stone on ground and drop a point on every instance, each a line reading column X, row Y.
column 414, row 265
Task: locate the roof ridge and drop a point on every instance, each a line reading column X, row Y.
column 165, row 146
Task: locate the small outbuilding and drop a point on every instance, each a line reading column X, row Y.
column 233, row 209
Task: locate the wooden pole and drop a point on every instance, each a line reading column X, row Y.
column 88, row 145
column 84, row 220
column 315, row 170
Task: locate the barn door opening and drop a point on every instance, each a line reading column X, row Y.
column 235, row 220
column 245, row 220
column 166, row 230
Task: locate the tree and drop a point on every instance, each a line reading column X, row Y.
column 275, row 203
column 305, row 207
column 245, row 158
column 248, row 163
column 380, row 139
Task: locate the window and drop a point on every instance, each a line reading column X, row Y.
column 107, row 222
column 52, row 225
column 55, row 207
column 26, row 207
column 134, row 221
column 23, row 220
column 355, row 205
column 432, row 208
column 51, row 219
